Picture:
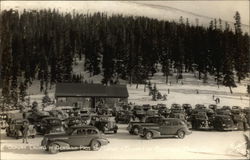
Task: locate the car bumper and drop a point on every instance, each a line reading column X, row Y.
column 188, row 132
column 129, row 128
column 104, row 141
column 230, row 128
column 44, row 142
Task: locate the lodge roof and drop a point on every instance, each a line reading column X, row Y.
column 90, row 90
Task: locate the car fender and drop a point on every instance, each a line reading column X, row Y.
column 61, row 143
column 135, row 126
column 96, row 139
column 155, row 132
column 182, row 129
column 102, row 141
column 19, row 133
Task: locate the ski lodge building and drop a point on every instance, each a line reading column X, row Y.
column 90, row 95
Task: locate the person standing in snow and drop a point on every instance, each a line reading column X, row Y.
column 25, row 129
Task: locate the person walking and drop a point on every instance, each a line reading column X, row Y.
column 25, row 129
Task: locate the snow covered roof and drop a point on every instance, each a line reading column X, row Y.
column 90, row 90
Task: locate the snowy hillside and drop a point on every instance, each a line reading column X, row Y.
column 185, row 91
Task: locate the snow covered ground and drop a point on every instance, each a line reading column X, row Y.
column 185, row 92
column 198, row 145
column 179, row 93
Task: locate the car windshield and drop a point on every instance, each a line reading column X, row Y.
column 54, row 121
column 226, row 119
column 19, row 121
column 200, row 116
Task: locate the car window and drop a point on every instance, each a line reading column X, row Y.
column 149, row 120
column 175, row 123
column 181, row 123
column 79, row 132
column 167, row 123
column 91, row 131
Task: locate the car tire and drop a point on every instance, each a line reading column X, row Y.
column 53, row 148
column 7, row 133
column 16, row 135
column 33, row 136
column 148, row 135
column 95, row 145
column 115, row 131
column 181, row 134
column 135, row 130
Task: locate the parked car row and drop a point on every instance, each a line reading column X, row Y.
column 197, row 117
column 72, row 130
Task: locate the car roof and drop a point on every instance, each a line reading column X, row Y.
column 46, row 118
column 223, row 116
column 172, row 119
column 84, row 127
column 21, row 119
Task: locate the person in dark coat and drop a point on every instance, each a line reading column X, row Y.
column 25, row 130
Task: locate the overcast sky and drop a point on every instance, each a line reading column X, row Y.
column 170, row 10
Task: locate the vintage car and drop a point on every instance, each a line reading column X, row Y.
column 35, row 117
column 248, row 118
column 77, row 138
column 246, row 110
column 101, row 110
column 133, row 127
column 200, row 106
column 182, row 117
column 239, row 119
column 65, row 109
column 177, row 108
column 73, row 122
column 126, row 107
column 236, row 108
column 224, row 123
column 163, row 111
column 187, row 108
column 138, row 112
column 86, row 118
column 59, row 114
column 49, row 125
column 200, row 120
column 213, row 107
column 3, row 120
column 166, row 128
column 106, row 124
column 226, row 108
column 151, row 112
column 15, row 128
column 124, row 116
column 223, row 112
column 146, row 107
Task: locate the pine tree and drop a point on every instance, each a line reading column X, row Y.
column 6, row 53
column 239, row 56
column 22, row 91
column 228, row 80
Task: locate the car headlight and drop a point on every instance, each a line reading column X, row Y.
column 223, row 124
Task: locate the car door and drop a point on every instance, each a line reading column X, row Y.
column 91, row 134
column 12, row 126
column 174, row 127
column 78, row 137
column 165, row 127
